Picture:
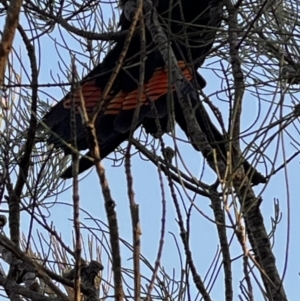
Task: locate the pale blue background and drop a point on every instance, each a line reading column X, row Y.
column 203, row 240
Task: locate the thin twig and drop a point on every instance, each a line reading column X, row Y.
column 76, row 198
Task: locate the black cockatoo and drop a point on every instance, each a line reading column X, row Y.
column 191, row 26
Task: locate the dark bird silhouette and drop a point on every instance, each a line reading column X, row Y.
column 191, row 28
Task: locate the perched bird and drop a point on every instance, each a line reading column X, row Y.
column 191, row 27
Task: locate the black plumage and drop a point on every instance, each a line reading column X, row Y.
column 191, row 28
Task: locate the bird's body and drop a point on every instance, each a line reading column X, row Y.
column 191, row 30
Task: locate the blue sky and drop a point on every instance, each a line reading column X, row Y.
column 204, row 242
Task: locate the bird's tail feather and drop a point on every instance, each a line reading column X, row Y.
column 214, row 137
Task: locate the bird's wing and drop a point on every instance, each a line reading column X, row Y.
column 117, row 109
column 114, row 120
